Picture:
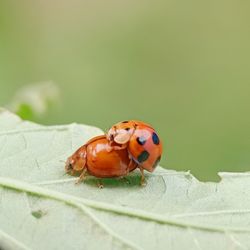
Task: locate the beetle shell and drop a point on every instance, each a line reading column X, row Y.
column 141, row 141
column 99, row 160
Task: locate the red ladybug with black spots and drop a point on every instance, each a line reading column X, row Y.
column 141, row 141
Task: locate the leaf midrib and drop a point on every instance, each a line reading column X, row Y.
column 140, row 214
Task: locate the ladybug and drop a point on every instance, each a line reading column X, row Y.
column 141, row 141
column 95, row 158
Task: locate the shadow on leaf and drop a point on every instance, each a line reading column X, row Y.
column 131, row 180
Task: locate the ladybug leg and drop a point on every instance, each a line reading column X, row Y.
column 125, row 179
column 143, row 182
column 109, row 148
column 100, row 185
column 123, row 146
column 131, row 166
column 82, row 176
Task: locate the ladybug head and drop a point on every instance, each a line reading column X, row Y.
column 69, row 165
column 74, row 164
column 121, row 132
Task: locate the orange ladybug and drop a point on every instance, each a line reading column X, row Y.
column 141, row 141
column 95, row 158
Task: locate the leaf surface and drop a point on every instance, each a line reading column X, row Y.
column 42, row 208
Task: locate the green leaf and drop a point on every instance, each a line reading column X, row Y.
column 42, row 208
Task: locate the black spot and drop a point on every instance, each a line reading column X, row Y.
column 143, row 156
column 155, row 139
column 125, row 122
column 141, row 140
column 157, row 162
column 127, row 129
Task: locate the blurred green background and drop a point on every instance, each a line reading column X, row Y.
column 182, row 66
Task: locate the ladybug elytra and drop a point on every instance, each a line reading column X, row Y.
column 94, row 158
column 141, row 141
